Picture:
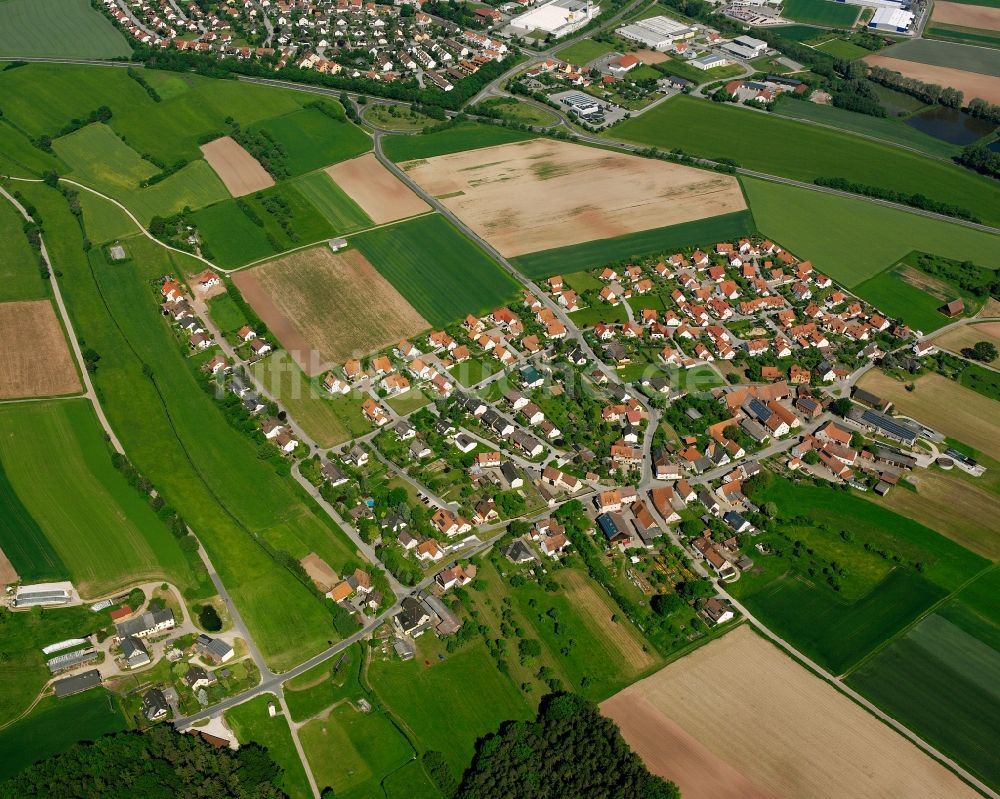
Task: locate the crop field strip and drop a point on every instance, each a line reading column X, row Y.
column 945, row 54
column 66, row 28
column 176, row 435
column 104, row 532
column 807, row 152
column 820, row 12
column 800, row 219
column 453, row 279
column 20, row 278
column 461, row 137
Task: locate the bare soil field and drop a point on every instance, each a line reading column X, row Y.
column 325, row 307
column 937, row 496
column 34, row 357
column 943, row 405
column 239, row 171
column 969, row 335
column 650, row 56
column 972, row 83
column 8, row 574
column 538, row 194
column 319, row 572
column 967, row 16
column 380, row 194
column 597, row 615
column 763, row 726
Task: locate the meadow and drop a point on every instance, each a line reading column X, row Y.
column 584, row 51
column 233, row 239
column 840, row 48
column 22, row 540
column 465, row 688
column 352, row 752
column 589, row 255
column 251, row 722
column 104, row 220
column 60, row 28
column 289, row 218
column 819, row 12
column 410, row 782
column 807, row 152
column 464, row 136
column 878, row 597
column 892, row 293
column 55, row 725
column 800, row 219
column 437, row 269
column 940, row 680
column 226, row 313
column 328, row 420
column 887, row 129
column 176, row 435
column 19, row 275
column 100, row 160
column 333, row 681
column 20, row 158
column 104, row 532
column 313, row 139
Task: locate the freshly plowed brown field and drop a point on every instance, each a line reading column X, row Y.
column 971, row 83
column 34, row 357
column 325, row 307
column 380, row 194
column 539, row 194
column 239, row 171
column 739, row 718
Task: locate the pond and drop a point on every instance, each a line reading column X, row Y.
column 951, row 125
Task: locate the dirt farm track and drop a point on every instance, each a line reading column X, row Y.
column 971, row 83
column 738, row 718
column 540, row 194
column 34, row 356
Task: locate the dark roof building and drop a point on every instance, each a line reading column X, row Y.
column 77, row 683
column 154, row 705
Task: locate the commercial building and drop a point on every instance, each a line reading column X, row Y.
column 893, row 20
column 582, row 105
column 656, row 33
column 558, row 17
column 745, row 47
column 707, row 62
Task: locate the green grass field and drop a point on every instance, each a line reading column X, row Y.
column 352, row 752
column 820, row 12
column 439, row 271
column 584, row 51
column 226, row 313
column 304, row 222
column 410, row 782
column 800, row 220
column 591, row 254
column 466, row 685
column 802, row 33
column 511, row 108
column 176, row 435
column 313, row 139
column 23, row 541
column 941, row 680
column 962, row 34
column 66, row 28
column 465, row 136
column 317, row 689
column 885, row 128
column 55, row 725
column 232, row 237
column 332, row 202
column 19, row 158
column 328, row 419
column 100, row 160
column 102, row 529
column 19, row 275
column 947, row 54
column 878, row 597
column 682, row 69
column 839, row 48
column 251, row 722
column 104, row 220
column 807, row 152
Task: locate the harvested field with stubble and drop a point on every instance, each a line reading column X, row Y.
column 760, row 725
column 943, row 405
column 325, row 306
column 967, row 16
column 34, row 357
column 972, row 84
column 380, row 194
column 540, row 194
column 596, row 614
column 237, row 169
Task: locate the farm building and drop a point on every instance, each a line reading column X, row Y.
column 77, row 683
column 953, row 308
column 656, row 33
column 41, row 595
column 614, row 528
column 558, row 17
column 150, row 622
column 891, row 20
